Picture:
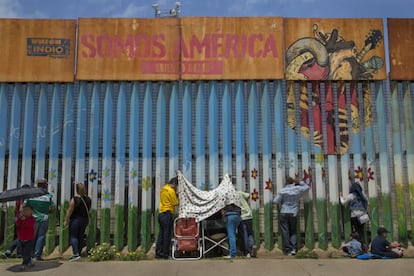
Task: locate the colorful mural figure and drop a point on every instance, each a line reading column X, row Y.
column 329, row 56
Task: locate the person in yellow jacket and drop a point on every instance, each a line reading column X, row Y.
column 168, row 202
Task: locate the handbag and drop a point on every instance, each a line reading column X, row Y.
column 363, row 218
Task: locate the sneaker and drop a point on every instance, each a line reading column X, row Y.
column 74, row 258
column 292, row 253
column 254, row 251
column 248, row 256
column 37, row 259
column 23, row 267
column 6, row 254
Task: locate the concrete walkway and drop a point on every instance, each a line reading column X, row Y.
column 218, row 267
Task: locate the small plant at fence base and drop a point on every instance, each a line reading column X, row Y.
column 306, row 254
column 107, row 252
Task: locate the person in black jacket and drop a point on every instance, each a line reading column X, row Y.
column 77, row 216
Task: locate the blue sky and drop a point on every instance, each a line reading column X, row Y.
column 142, row 8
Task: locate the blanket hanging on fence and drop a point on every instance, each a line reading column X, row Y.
column 203, row 204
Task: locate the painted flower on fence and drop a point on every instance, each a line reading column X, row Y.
column 255, row 195
column 359, row 174
column 93, row 175
column 254, row 173
column 370, row 175
column 106, row 195
column 269, row 185
column 106, row 172
column 52, row 174
column 280, row 163
column 133, row 173
column 146, row 183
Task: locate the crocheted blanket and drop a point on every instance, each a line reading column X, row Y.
column 203, row 204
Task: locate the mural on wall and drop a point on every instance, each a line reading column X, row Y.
column 329, row 53
column 332, row 50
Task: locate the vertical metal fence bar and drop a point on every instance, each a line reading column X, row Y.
column 133, row 157
column 120, row 169
column 68, row 128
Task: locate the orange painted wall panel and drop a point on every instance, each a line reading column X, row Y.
column 37, row 50
column 400, row 36
column 334, row 49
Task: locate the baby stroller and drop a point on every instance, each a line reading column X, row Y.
column 187, row 243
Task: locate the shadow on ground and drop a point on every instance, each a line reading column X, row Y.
column 39, row 266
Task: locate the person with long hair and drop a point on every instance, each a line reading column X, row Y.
column 77, row 217
column 358, row 206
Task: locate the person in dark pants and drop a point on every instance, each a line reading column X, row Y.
column 25, row 233
column 358, row 206
column 78, row 215
column 382, row 247
column 168, row 202
column 42, row 206
column 289, row 197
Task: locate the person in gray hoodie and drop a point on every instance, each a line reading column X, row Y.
column 289, row 199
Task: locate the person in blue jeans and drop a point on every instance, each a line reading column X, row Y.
column 232, row 212
column 78, row 217
column 42, row 206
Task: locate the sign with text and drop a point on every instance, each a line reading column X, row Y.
column 128, row 49
column 243, row 48
column 180, row 48
column 334, row 49
column 400, row 36
column 37, row 50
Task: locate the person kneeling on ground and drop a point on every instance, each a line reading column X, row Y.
column 382, row 247
column 354, row 246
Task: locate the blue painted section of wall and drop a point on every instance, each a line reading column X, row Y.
column 160, row 142
column 55, row 141
column 41, row 133
column 200, row 139
column 173, row 130
column 266, row 144
column 68, row 128
column 226, row 130
column 14, row 138
column 253, row 145
column 241, row 170
column 279, row 135
column 94, row 128
column 121, row 123
column 213, row 130
column 134, row 142
column 107, row 148
column 4, row 110
column 81, row 133
column 187, row 132
column 28, row 136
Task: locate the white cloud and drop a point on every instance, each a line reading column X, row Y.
column 10, row 8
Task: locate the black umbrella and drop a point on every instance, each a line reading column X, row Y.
column 21, row 193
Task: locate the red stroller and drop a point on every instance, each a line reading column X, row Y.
column 187, row 243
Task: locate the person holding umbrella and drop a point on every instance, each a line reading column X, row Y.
column 42, row 206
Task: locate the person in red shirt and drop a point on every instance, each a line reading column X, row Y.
column 25, row 233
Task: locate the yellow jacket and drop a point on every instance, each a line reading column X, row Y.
column 168, row 199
